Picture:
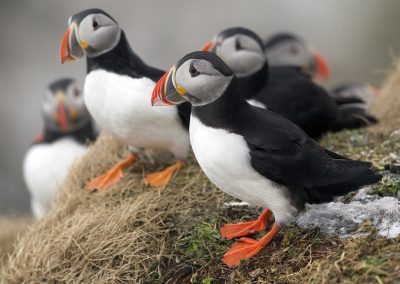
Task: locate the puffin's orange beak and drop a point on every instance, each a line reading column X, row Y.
column 62, row 117
column 322, row 66
column 159, row 97
column 71, row 47
column 208, row 46
column 165, row 93
column 65, row 53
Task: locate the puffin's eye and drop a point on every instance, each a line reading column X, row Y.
column 238, row 45
column 95, row 24
column 294, row 49
column 77, row 93
column 193, row 71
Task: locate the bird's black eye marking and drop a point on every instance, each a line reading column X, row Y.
column 238, row 45
column 77, row 93
column 193, row 71
column 95, row 24
column 294, row 49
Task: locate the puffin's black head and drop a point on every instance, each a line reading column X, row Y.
column 63, row 108
column 199, row 78
column 240, row 48
column 285, row 49
column 92, row 32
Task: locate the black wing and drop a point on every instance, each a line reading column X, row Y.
column 347, row 100
column 282, row 152
column 292, row 94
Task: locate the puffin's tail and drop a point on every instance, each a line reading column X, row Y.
column 327, row 193
column 352, row 118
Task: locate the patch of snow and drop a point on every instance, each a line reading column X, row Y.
column 344, row 219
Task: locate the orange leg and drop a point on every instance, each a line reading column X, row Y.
column 162, row 178
column 230, row 231
column 112, row 176
column 246, row 248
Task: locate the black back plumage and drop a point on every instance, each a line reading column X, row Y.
column 353, row 109
column 123, row 61
column 291, row 93
column 283, row 153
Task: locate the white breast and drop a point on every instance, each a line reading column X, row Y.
column 121, row 105
column 225, row 159
column 45, row 168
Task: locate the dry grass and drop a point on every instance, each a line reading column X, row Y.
column 10, row 229
column 135, row 234
column 121, row 235
column 361, row 260
column 387, row 106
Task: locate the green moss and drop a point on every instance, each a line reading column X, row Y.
column 388, row 186
column 365, row 145
column 381, row 150
column 207, row 280
column 204, row 238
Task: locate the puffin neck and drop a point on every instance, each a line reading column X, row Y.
column 120, row 60
column 82, row 134
column 224, row 110
column 250, row 85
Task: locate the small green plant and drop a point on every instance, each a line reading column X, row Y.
column 205, row 237
column 372, row 265
column 207, row 280
column 195, row 279
column 388, row 186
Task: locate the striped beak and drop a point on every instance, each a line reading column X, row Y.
column 61, row 113
column 208, row 46
column 321, row 65
column 71, row 48
column 166, row 93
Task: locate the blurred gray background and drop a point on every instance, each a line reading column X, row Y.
column 355, row 36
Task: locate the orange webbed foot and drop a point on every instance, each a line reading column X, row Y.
column 230, row 231
column 162, row 178
column 112, row 176
column 245, row 248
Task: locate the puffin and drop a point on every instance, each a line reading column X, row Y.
column 286, row 90
column 67, row 130
column 356, row 98
column 117, row 93
column 288, row 49
column 252, row 153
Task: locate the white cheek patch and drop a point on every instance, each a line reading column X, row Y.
column 245, row 61
column 47, row 107
column 102, row 40
column 283, row 56
column 205, row 88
